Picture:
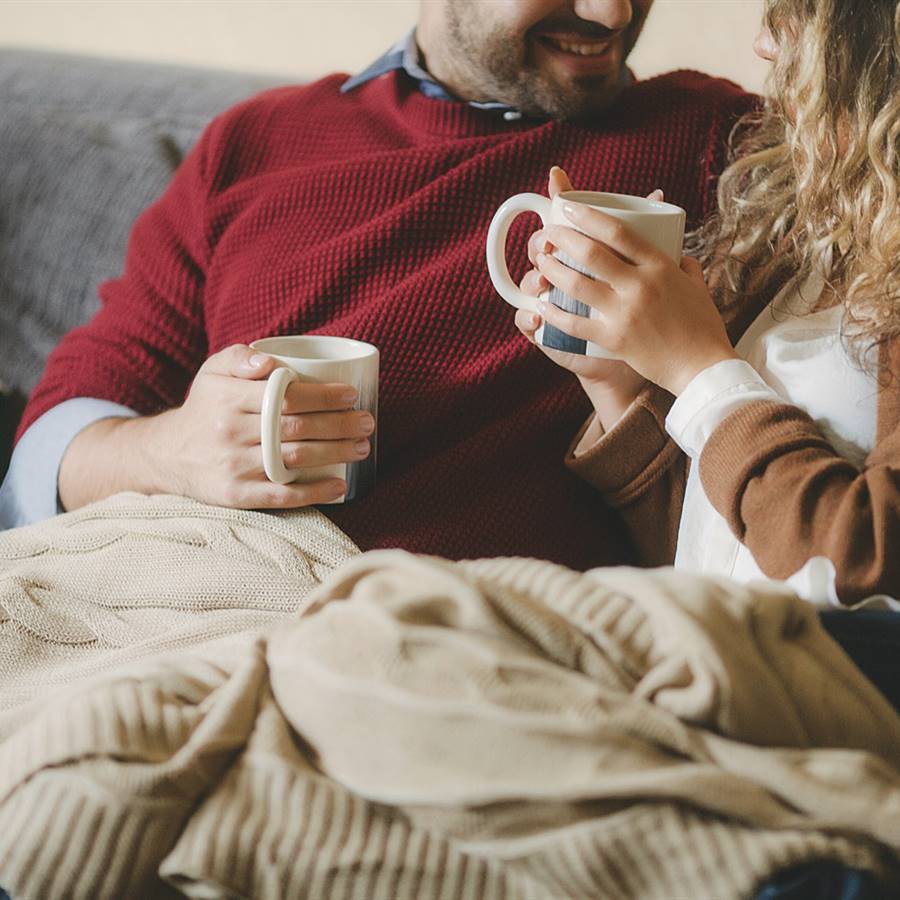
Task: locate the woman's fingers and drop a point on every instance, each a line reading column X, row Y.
column 538, row 243
column 533, row 283
column 571, row 282
column 580, row 327
column 611, row 231
column 559, row 181
column 528, row 323
column 591, row 255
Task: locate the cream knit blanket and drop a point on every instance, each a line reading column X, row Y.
column 412, row 728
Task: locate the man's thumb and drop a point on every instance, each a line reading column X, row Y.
column 240, row 361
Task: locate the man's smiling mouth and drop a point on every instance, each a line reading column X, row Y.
column 578, row 48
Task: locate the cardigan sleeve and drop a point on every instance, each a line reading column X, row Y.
column 640, row 472
column 788, row 495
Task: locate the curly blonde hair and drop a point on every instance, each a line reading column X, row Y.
column 815, row 172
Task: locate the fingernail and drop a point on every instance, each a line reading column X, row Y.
column 533, row 320
column 571, row 210
column 337, row 490
column 349, row 397
column 361, row 448
column 657, row 194
column 541, row 258
column 256, row 360
column 367, row 424
column 554, row 169
column 542, row 306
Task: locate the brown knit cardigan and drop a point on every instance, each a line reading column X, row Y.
column 785, row 492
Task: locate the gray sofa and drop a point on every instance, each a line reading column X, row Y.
column 85, row 145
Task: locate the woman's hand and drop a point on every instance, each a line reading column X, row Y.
column 655, row 315
column 610, row 384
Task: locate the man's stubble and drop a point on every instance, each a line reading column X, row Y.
column 491, row 63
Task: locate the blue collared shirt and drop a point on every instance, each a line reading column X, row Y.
column 405, row 56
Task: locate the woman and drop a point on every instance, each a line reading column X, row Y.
column 794, row 431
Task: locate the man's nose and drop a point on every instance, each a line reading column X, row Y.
column 612, row 14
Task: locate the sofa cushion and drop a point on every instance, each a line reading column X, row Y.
column 85, row 145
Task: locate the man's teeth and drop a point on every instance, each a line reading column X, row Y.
column 580, row 49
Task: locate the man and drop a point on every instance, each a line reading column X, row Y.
column 360, row 208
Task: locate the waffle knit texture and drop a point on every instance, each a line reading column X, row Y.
column 365, row 215
column 416, row 728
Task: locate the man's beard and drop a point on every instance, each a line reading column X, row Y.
column 494, row 64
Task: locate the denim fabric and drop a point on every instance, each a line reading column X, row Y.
column 871, row 638
column 822, row 881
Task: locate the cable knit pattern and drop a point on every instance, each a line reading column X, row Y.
column 418, row 728
column 365, row 215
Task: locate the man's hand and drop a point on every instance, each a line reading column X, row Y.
column 209, row 448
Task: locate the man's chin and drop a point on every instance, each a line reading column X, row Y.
column 576, row 99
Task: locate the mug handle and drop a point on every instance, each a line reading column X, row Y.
column 496, row 245
column 270, row 425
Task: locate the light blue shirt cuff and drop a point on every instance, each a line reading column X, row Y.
column 29, row 491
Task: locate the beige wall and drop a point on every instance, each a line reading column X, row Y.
column 305, row 38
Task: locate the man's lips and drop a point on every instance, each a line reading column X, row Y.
column 576, row 45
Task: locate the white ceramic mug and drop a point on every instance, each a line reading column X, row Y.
column 321, row 359
column 662, row 224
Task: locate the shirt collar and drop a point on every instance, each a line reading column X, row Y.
column 405, row 56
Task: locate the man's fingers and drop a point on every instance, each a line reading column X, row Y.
column 308, row 454
column 559, row 181
column 304, row 396
column 327, row 426
column 266, row 495
column 239, row 361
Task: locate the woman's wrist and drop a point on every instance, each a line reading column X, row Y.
column 611, row 401
column 687, row 373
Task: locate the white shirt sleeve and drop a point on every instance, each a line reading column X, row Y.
column 29, row 491
column 709, row 398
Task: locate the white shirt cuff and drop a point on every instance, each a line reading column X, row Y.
column 709, row 398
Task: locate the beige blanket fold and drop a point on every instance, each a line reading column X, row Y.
column 325, row 724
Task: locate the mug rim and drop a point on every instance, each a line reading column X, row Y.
column 281, row 346
column 648, row 207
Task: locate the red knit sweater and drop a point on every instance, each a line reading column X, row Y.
column 365, row 214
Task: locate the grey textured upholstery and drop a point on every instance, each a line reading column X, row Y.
column 85, row 145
